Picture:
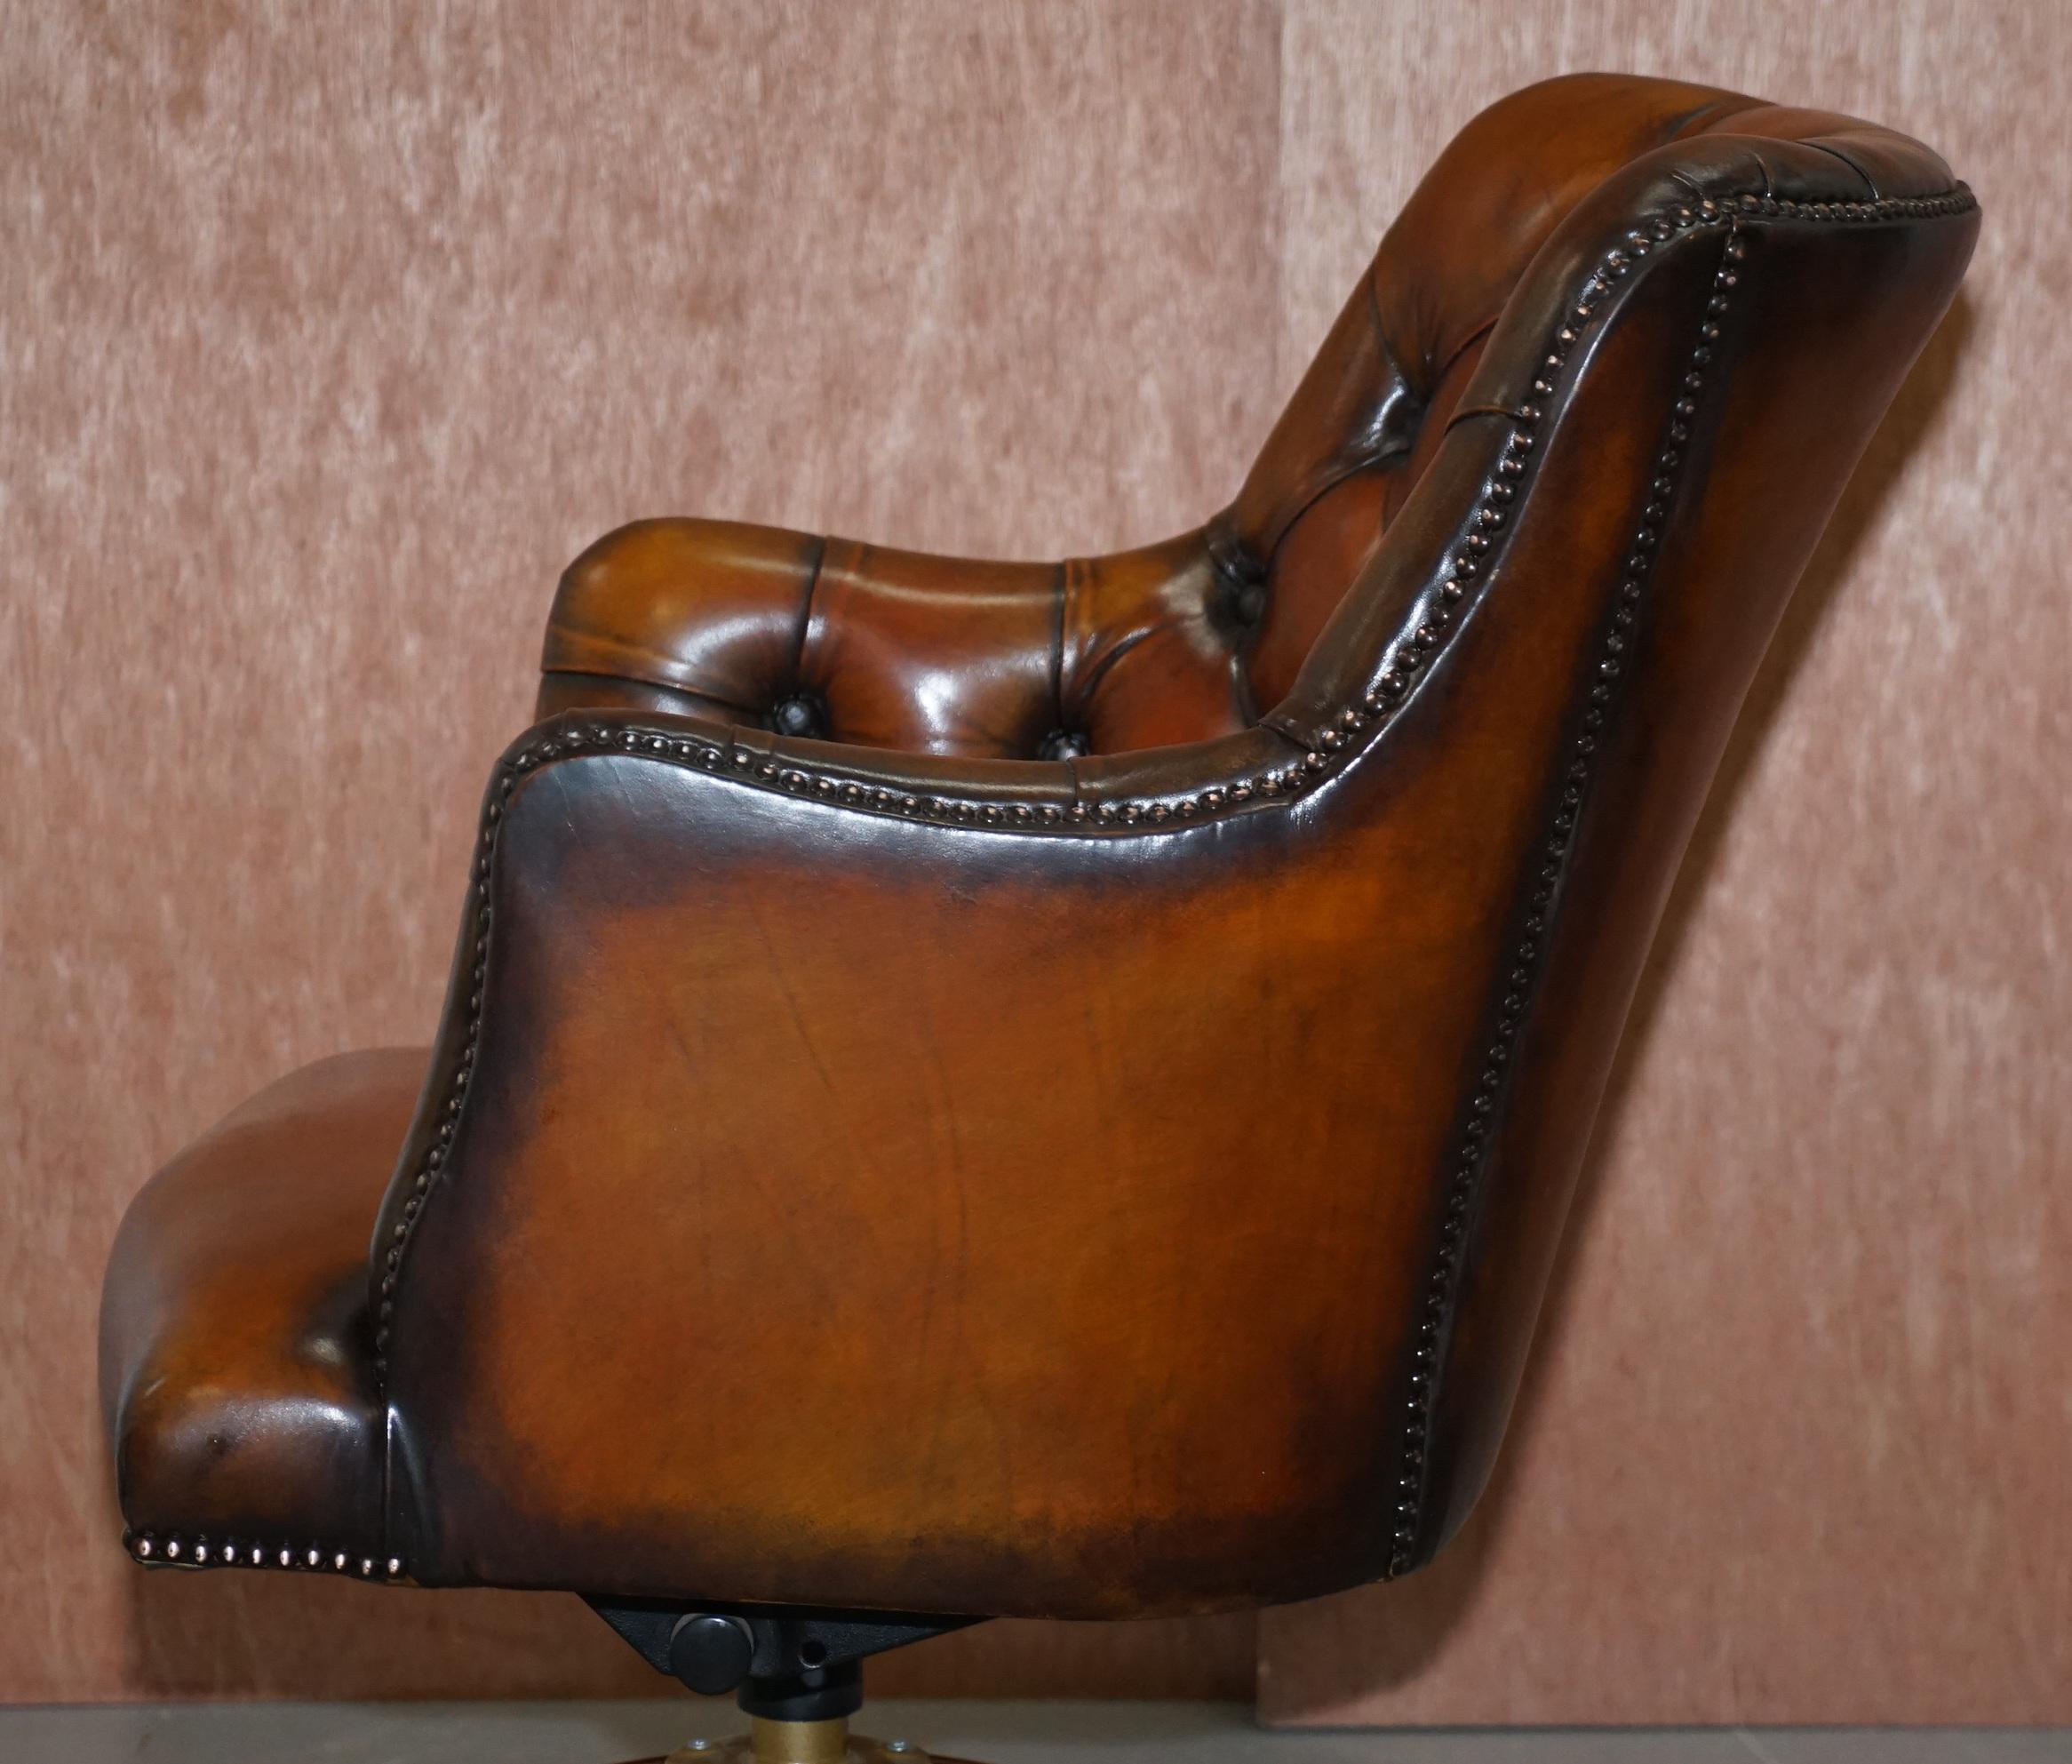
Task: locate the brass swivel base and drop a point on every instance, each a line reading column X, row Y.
column 800, row 1743
column 810, row 1684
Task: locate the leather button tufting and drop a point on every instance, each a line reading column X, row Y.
column 798, row 715
column 1063, row 744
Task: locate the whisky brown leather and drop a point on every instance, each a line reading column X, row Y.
column 235, row 1383
column 1194, row 638
column 1051, row 1089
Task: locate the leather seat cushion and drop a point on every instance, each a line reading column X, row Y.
column 236, row 1357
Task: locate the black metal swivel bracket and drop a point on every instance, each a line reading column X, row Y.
column 786, row 1664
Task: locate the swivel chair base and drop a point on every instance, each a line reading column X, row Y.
column 828, row 1742
column 797, row 1675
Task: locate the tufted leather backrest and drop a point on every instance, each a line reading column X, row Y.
column 757, row 626
column 1202, row 635
column 1368, row 415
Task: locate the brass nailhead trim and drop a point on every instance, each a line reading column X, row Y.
column 1332, row 747
column 1518, row 984
column 196, row 1550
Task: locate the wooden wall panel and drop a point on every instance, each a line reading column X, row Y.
column 1795, row 1444
column 327, row 335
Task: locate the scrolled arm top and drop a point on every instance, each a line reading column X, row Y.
column 902, row 651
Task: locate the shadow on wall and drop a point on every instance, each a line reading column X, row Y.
column 1408, row 1623
column 308, row 1636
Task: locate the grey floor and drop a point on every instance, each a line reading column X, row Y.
column 997, row 1732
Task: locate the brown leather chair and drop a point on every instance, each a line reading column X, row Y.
column 980, row 1089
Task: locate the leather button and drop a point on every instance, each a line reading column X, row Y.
column 1063, row 744
column 798, row 715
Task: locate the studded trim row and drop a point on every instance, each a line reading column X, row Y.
column 1465, row 1181
column 175, row 1550
column 1326, row 750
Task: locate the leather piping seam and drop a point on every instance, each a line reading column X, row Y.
column 1352, row 734
column 1060, row 616
column 642, row 667
column 1088, row 687
column 1346, row 466
column 1366, row 455
column 1462, row 349
column 1244, row 701
column 805, row 625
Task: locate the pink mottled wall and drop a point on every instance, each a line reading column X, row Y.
column 1796, row 1444
column 326, row 334
column 331, row 333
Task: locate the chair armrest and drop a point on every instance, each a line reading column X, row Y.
column 879, row 1180
column 773, row 1128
